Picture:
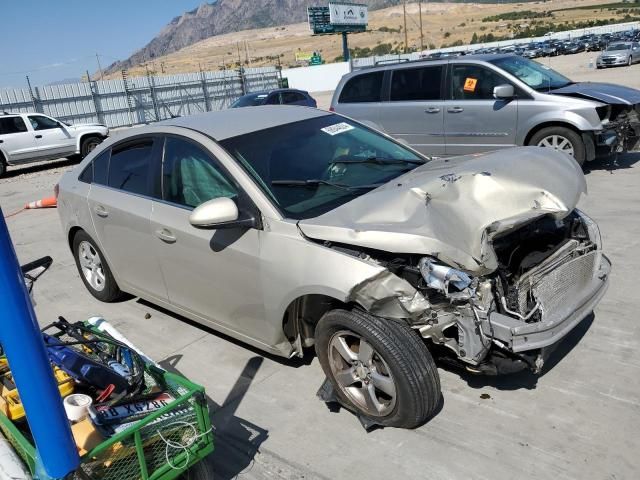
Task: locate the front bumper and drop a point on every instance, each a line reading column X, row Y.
column 612, row 62
column 517, row 336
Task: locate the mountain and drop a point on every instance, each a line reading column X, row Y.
column 224, row 16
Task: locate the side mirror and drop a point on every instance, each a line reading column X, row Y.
column 221, row 212
column 503, row 92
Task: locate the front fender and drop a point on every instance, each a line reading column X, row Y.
column 567, row 117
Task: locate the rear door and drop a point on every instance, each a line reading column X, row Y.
column 214, row 274
column 52, row 139
column 475, row 121
column 120, row 204
column 414, row 112
column 16, row 140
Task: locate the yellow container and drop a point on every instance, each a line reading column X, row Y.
column 10, row 403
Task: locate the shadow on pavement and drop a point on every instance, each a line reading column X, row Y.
column 615, row 162
column 236, row 440
column 526, row 379
column 294, row 362
column 39, row 167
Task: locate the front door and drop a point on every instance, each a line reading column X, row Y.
column 120, row 206
column 213, row 274
column 414, row 113
column 52, row 140
column 475, row 121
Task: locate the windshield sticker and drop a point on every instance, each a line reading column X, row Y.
column 337, row 128
column 470, row 84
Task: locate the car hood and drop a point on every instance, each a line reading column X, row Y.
column 601, row 92
column 86, row 125
column 451, row 209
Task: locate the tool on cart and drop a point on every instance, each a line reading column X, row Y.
column 94, row 359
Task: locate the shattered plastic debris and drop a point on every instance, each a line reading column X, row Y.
column 439, row 277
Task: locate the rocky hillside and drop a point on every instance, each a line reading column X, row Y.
column 224, row 16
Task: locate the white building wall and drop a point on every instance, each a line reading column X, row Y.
column 318, row 78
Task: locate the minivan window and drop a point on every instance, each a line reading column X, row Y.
column 38, row 122
column 363, row 88
column 12, row 125
column 416, row 84
column 473, row 82
column 130, row 167
column 190, row 175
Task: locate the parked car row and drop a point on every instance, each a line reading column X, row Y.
column 551, row 47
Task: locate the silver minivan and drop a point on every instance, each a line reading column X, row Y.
column 477, row 103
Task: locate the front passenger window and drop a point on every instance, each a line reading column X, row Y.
column 190, row 176
column 473, row 82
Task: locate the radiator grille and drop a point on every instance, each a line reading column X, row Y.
column 553, row 289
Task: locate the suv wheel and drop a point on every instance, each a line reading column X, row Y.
column 88, row 144
column 379, row 368
column 93, row 269
column 562, row 139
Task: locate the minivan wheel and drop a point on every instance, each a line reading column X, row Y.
column 93, row 269
column 88, row 145
column 379, row 368
column 562, row 139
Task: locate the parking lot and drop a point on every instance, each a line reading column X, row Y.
column 579, row 419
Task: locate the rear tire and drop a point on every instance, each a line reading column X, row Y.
column 88, row 144
column 93, row 269
column 390, row 377
column 564, row 138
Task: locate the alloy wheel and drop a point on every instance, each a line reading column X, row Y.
column 557, row 142
column 362, row 374
column 91, row 265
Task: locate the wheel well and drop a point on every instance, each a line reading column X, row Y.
column 72, row 234
column 537, row 128
column 302, row 315
column 88, row 135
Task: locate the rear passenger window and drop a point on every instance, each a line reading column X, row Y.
column 130, row 167
column 12, row 125
column 409, row 84
column 292, row 97
column 363, row 88
column 96, row 171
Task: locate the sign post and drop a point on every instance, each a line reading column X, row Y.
column 339, row 17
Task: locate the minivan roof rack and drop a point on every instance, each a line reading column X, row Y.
column 391, row 60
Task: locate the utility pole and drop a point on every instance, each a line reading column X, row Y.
column 421, row 32
column 246, row 52
column 239, row 57
column 99, row 67
column 406, row 37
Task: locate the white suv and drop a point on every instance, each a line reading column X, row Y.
column 33, row 137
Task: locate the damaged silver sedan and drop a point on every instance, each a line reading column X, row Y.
column 290, row 228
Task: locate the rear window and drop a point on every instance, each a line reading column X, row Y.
column 363, row 88
column 416, row 84
column 96, row 171
column 12, row 125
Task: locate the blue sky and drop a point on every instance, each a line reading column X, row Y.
column 56, row 39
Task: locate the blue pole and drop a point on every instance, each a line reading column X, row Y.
column 23, row 345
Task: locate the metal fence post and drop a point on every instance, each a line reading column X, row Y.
column 243, row 79
column 207, row 101
column 152, row 91
column 93, row 86
column 128, row 96
column 35, row 97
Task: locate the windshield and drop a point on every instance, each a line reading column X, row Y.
column 310, row 167
column 250, row 100
column 534, row 74
column 617, row 46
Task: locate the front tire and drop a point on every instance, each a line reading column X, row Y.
column 563, row 139
column 88, row 145
column 379, row 368
column 93, row 269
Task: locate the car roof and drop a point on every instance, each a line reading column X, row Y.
column 233, row 122
column 483, row 57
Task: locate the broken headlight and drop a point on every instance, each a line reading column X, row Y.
column 592, row 228
column 440, row 277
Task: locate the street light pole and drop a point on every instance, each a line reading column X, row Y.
column 406, row 37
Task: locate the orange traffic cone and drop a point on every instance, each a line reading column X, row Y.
column 48, row 202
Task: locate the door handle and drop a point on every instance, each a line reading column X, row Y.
column 101, row 211
column 38, row 136
column 455, row 109
column 165, row 235
column 432, row 110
